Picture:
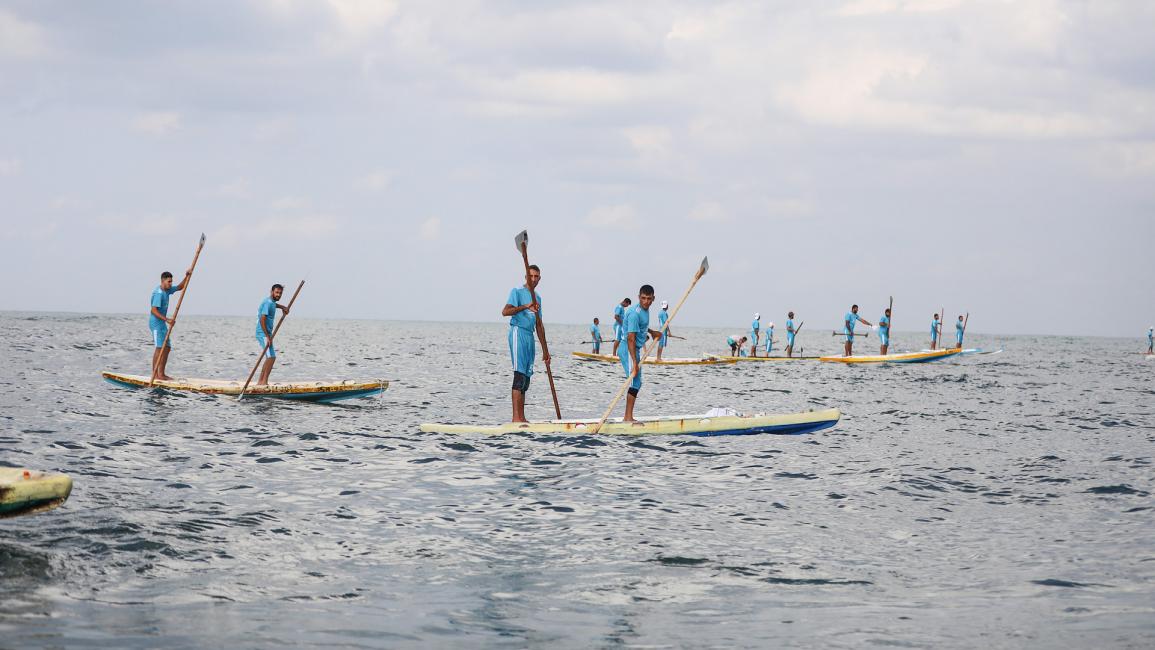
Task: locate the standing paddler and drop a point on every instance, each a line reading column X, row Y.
column 848, row 328
column 769, row 337
column 158, row 321
column 524, row 321
column 790, row 334
column 619, row 322
column 596, row 336
column 637, row 328
column 935, row 326
column 755, row 332
column 959, row 327
column 663, row 316
column 884, row 332
column 266, row 316
column 1150, row 340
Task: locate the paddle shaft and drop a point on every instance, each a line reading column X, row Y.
column 540, row 329
column 646, row 350
column 176, row 312
column 845, row 334
column 269, row 343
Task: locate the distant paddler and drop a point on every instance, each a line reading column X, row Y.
column 736, row 342
column 959, row 328
column 935, row 328
column 158, row 322
column 596, row 336
column 769, row 337
column 619, row 322
column 266, row 317
column 637, row 328
column 790, row 331
column 755, row 332
column 884, row 333
column 849, row 320
column 524, row 321
column 663, row 316
column 1150, row 339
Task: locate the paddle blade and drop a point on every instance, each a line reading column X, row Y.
column 705, row 266
column 521, row 240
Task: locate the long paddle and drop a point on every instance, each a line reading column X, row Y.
column 522, row 243
column 941, row 320
column 845, row 334
column 889, row 323
column 176, row 312
column 646, row 351
column 965, row 319
column 272, row 335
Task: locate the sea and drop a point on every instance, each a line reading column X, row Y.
column 993, row 501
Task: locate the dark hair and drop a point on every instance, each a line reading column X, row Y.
column 535, row 267
column 629, row 302
column 790, row 315
column 166, row 276
column 646, row 290
column 275, row 287
column 595, row 319
column 853, row 306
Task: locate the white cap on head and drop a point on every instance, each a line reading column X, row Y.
column 771, row 323
column 757, row 316
column 665, row 305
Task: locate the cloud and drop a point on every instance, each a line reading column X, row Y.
column 789, row 207
column 873, row 7
column 289, row 203
column 376, row 180
column 708, row 212
column 430, row 229
column 148, row 225
column 157, row 122
column 236, row 189
column 11, row 166
column 20, row 39
column 613, row 217
column 276, row 228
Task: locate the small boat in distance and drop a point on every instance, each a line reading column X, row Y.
column 309, row 391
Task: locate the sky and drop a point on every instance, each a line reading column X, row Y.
column 992, row 157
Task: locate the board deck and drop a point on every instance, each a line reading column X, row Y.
column 24, row 491
column 609, row 358
column 311, row 391
column 900, row 357
column 693, row 425
column 763, row 359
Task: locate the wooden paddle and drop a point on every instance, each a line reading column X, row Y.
column 889, row 323
column 845, row 334
column 522, row 243
column 179, row 300
column 272, row 335
column 705, row 266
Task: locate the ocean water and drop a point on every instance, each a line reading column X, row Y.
column 988, row 501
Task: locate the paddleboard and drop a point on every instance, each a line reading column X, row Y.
column 692, row 425
column 607, row 358
column 744, row 359
column 309, row 391
column 900, row 357
column 24, row 491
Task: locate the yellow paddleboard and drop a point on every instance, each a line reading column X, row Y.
column 901, row 357
column 607, row 358
column 693, row 425
column 23, row 491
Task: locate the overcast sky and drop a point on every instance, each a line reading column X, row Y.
column 997, row 157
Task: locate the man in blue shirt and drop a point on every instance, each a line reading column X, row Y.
column 958, row 332
column 790, row 334
column 266, row 316
column 884, row 333
column 755, row 330
column 637, row 328
column 596, row 336
column 1150, row 339
column 620, row 323
column 158, row 322
column 769, row 338
column 736, row 342
column 663, row 316
column 524, row 320
column 935, row 327
column 848, row 328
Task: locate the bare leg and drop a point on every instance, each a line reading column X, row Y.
column 789, row 350
column 163, row 363
column 846, row 348
column 518, row 405
column 660, row 348
column 266, row 370
column 630, row 399
column 155, row 372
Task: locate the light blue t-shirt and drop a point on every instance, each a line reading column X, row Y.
column 160, row 301
column 754, row 325
column 595, row 333
column 619, row 310
column 958, row 327
column 638, row 323
column 790, row 326
column 934, row 329
column 849, row 320
column 525, row 319
column 268, row 309
column 663, row 316
column 884, row 324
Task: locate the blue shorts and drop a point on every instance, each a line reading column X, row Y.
column 597, row 346
column 769, row 342
column 158, row 334
column 933, row 338
column 958, row 338
column 624, row 357
column 849, row 335
column 883, row 338
column 271, row 353
column 522, row 349
column 664, row 341
column 617, row 332
column 790, row 339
